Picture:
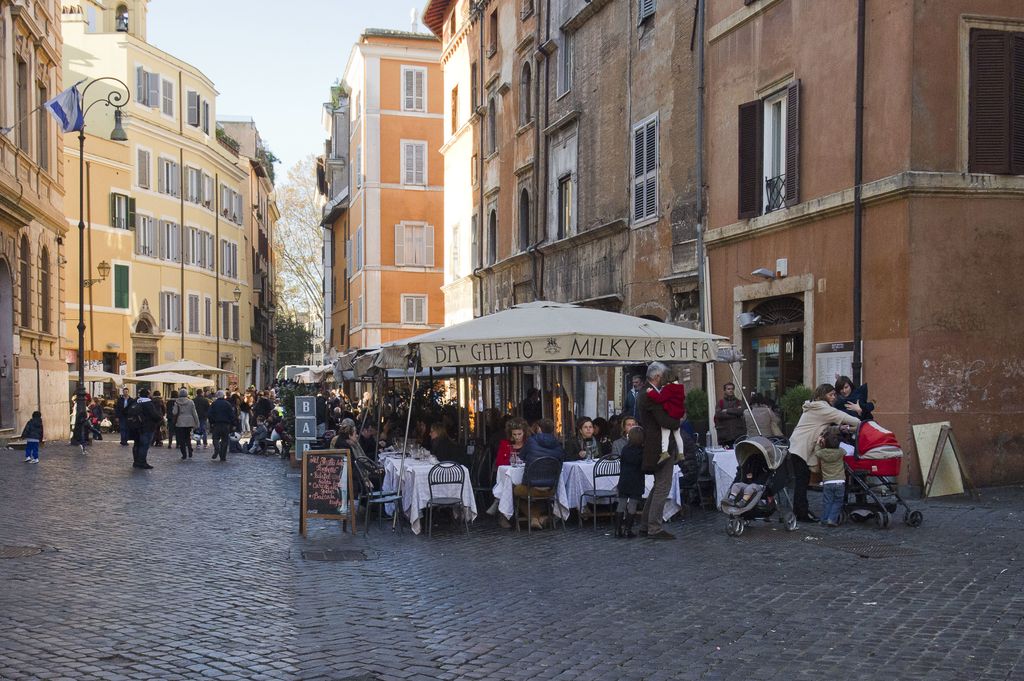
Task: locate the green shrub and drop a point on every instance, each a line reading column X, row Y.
column 697, row 406
column 792, row 404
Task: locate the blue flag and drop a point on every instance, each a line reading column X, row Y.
column 66, row 107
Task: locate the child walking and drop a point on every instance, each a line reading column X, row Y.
column 33, row 434
column 672, row 398
column 631, row 482
column 833, row 475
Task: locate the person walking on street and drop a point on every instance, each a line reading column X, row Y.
column 185, row 419
column 33, row 435
column 221, row 417
column 202, row 403
column 652, row 419
column 120, row 413
column 144, row 420
column 158, row 401
column 244, row 411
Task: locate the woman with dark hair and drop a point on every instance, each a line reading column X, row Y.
column 818, row 414
column 515, row 438
column 585, row 445
column 853, row 401
column 761, row 419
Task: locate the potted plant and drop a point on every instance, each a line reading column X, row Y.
column 792, row 405
column 697, row 412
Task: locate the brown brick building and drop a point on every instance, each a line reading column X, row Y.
column 940, row 207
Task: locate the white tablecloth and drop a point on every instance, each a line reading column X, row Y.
column 723, row 462
column 577, row 477
column 416, row 490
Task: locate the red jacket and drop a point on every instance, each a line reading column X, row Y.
column 504, row 457
column 672, row 399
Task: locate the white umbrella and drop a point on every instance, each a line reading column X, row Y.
column 102, row 376
column 172, row 378
column 548, row 332
column 182, row 366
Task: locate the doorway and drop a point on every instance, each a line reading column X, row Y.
column 143, row 360
column 775, row 348
column 6, row 346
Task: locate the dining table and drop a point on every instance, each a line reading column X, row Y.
column 415, row 487
column 576, row 478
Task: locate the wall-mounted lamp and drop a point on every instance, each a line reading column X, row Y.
column 764, row 273
column 104, row 270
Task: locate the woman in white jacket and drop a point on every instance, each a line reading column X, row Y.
column 818, row 414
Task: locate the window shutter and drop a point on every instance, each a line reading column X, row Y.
column 175, row 179
column 161, row 236
column 206, row 117
column 638, row 174
column 176, row 241
column 130, row 222
column 407, row 163
column 161, row 176
column 989, row 110
column 193, row 109
column 153, row 93
column 163, row 311
column 419, row 94
column 399, row 245
column 419, row 174
column 428, row 238
column 410, row 96
column 1017, row 106
column 750, row 159
column 235, row 322
column 143, row 168
column 168, row 101
column 140, row 84
column 651, row 169
column 793, row 144
column 113, row 210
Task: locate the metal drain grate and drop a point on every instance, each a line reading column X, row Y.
column 19, row 551
column 335, row 555
column 867, row 549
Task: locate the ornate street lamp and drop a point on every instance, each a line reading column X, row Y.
column 117, row 100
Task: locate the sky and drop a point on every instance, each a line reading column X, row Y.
column 274, row 61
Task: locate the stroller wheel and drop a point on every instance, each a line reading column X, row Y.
column 844, row 517
column 735, row 527
column 791, row 523
column 913, row 518
column 883, row 519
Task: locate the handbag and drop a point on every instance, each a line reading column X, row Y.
column 105, row 423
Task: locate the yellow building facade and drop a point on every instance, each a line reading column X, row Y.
column 391, row 239
column 169, row 210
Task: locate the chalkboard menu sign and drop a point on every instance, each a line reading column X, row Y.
column 327, row 487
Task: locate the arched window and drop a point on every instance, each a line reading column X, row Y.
column 142, row 326
column 44, row 290
column 26, row 284
column 524, row 219
column 525, row 85
column 492, row 238
column 122, row 19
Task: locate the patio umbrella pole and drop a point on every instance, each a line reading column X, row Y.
column 405, row 448
column 743, row 394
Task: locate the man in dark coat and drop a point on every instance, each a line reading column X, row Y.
column 202, row 409
column 634, row 391
column 145, row 418
column 120, row 407
column 221, row 417
column 652, row 419
column 729, row 420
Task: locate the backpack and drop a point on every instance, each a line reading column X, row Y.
column 134, row 417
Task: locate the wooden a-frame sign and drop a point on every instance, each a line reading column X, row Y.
column 327, row 490
column 946, row 437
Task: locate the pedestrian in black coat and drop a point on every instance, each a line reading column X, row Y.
column 631, row 482
column 120, row 409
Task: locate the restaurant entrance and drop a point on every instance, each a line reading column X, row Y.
column 775, row 348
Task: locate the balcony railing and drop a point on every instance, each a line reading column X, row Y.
column 775, row 193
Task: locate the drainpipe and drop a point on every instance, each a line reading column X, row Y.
column 539, row 217
column 479, row 304
column 39, row 390
column 217, row 263
column 701, row 283
column 858, row 208
column 181, row 243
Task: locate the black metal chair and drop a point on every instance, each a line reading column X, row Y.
column 482, row 475
column 606, row 467
column 369, row 495
column 705, row 480
column 545, row 470
column 446, row 474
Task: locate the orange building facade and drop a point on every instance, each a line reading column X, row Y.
column 386, row 248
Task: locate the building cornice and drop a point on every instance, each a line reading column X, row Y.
column 738, row 18
column 901, row 185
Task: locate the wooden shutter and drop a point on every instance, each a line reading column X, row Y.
column 638, row 174
column 419, row 164
column 121, row 286
column 168, row 100
column 428, row 249
column 235, row 322
column 1017, row 106
column 163, row 311
column 651, row 169
column 399, row 245
column 750, row 159
column 130, row 218
column 645, row 9
column 175, row 179
column 113, row 210
column 193, row 109
column 988, row 109
column 410, row 95
column 141, row 84
column 153, row 90
column 206, row 117
column 143, row 168
column 419, row 90
column 793, row 144
column 161, row 176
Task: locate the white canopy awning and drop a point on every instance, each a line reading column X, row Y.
column 182, row 366
column 97, row 376
column 315, row 374
column 547, row 332
column 171, row 378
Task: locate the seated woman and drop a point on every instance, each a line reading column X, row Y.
column 515, row 431
column 761, row 419
column 818, row 414
column 853, row 401
column 585, row 444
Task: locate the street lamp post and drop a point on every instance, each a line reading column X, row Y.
column 117, row 100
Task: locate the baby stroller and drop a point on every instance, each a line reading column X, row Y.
column 871, row 473
column 776, row 493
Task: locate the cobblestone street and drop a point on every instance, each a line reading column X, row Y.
column 196, row 570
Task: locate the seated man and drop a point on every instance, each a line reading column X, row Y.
column 543, row 443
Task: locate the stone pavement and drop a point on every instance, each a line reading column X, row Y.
column 195, row 570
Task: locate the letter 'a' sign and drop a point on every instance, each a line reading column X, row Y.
column 305, row 427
